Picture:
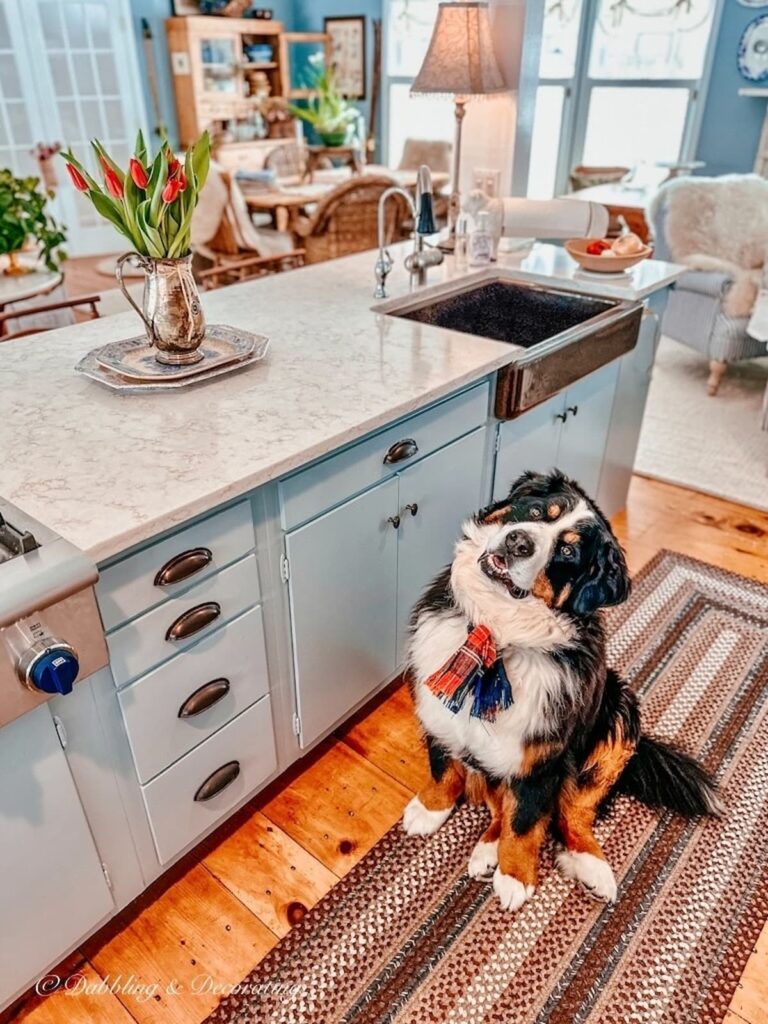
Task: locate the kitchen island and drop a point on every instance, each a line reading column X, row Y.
column 262, row 538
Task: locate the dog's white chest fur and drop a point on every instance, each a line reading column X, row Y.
column 499, row 745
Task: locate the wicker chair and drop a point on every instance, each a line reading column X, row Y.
column 288, row 161
column 346, row 220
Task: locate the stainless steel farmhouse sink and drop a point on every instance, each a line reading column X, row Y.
column 560, row 335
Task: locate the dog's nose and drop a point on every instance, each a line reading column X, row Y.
column 519, row 544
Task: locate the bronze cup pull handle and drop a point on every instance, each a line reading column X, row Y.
column 400, row 451
column 573, row 410
column 193, row 620
column 218, row 781
column 413, row 508
column 204, row 697
column 181, row 567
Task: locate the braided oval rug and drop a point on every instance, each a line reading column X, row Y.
column 408, row 938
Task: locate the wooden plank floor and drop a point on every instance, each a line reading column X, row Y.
column 218, row 913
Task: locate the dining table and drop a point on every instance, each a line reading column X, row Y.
column 36, row 281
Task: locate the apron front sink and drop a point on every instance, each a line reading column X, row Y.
column 560, row 334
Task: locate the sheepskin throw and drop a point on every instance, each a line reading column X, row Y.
column 719, row 224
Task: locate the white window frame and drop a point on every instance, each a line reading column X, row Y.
column 578, row 93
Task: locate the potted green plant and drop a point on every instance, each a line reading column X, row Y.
column 329, row 113
column 151, row 203
column 24, row 217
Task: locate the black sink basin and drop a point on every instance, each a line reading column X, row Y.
column 559, row 334
column 506, row 311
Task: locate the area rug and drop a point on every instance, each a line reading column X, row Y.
column 408, row 938
column 713, row 444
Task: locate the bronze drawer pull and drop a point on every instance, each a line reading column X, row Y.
column 218, row 781
column 204, row 697
column 413, row 508
column 193, row 620
column 400, row 451
column 181, row 567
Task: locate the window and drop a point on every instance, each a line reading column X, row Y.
column 618, row 85
column 409, row 25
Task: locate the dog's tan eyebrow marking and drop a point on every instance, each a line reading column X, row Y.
column 494, row 517
column 554, row 510
column 570, row 537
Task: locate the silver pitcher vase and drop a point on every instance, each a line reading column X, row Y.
column 170, row 308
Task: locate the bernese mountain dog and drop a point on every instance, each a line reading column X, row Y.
column 507, row 662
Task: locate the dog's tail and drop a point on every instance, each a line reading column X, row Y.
column 660, row 775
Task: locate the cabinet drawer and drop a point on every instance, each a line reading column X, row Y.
column 145, row 642
column 313, row 490
column 228, row 669
column 132, row 586
column 243, row 755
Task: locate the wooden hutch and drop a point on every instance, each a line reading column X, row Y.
column 225, row 73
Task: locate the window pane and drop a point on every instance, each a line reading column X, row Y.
column 546, row 141
column 560, row 39
column 632, row 42
column 634, row 125
column 418, row 117
column 410, row 29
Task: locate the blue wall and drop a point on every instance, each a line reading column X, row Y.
column 308, row 17
column 156, row 11
column 731, row 126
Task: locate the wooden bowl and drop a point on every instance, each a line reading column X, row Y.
column 577, row 249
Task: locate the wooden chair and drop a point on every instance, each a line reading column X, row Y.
column 9, row 315
column 237, row 250
column 230, row 271
column 346, row 220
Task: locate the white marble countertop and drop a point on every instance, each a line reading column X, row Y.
column 109, row 471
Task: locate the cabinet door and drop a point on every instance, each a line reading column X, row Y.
column 589, row 404
column 627, row 419
column 343, row 594
column 52, row 888
column 444, row 489
column 529, row 442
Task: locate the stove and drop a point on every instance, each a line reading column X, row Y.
column 50, row 629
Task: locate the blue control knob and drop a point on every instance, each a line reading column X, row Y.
column 51, row 668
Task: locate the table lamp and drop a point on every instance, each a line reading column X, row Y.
column 460, row 60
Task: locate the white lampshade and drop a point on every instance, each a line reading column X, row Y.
column 460, row 60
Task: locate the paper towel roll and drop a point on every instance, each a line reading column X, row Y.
column 552, row 218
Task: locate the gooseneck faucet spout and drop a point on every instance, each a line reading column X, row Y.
column 422, row 212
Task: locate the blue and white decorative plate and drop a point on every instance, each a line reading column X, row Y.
column 753, row 50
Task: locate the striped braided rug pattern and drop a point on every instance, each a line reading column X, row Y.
column 408, row 938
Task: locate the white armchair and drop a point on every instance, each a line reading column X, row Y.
column 711, row 224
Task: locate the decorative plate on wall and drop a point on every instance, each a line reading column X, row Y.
column 753, row 50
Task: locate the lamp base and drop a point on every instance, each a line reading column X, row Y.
column 447, row 245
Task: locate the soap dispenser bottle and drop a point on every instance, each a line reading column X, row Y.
column 481, row 242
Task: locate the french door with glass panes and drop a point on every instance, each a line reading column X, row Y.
column 69, row 73
column 620, row 84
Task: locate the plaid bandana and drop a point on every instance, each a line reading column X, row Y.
column 475, row 666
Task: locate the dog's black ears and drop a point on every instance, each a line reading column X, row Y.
column 606, row 582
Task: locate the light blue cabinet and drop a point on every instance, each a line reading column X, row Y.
column 52, row 887
column 567, row 432
column 343, row 597
column 583, row 435
column 356, row 572
column 443, row 489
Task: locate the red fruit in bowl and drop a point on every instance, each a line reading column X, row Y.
column 598, row 248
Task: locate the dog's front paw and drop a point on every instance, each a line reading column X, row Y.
column 511, row 891
column 594, row 873
column 483, row 859
column 418, row 820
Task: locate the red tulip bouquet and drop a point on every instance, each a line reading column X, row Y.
column 152, row 202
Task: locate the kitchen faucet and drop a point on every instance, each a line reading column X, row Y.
column 423, row 256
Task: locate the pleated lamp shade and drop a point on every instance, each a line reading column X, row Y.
column 460, row 60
